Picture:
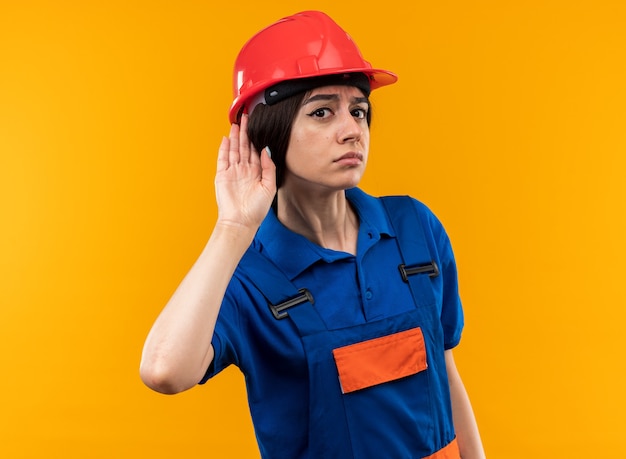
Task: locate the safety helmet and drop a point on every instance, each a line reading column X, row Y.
column 305, row 45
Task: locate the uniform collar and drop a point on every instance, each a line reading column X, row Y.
column 294, row 253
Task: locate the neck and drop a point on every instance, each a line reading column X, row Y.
column 328, row 220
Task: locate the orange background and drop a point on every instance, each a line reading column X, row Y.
column 509, row 121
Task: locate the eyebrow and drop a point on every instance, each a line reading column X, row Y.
column 356, row 100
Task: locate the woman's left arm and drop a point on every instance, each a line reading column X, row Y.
column 468, row 437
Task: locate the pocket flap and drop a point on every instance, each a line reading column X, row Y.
column 380, row 360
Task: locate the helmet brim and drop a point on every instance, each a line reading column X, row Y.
column 377, row 79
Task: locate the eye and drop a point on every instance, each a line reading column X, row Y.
column 359, row 113
column 320, row 113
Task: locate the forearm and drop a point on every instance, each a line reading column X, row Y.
column 178, row 348
column 467, row 433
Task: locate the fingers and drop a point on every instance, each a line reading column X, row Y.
column 244, row 142
column 223, row 154
column 233, row 150
column 237, row 148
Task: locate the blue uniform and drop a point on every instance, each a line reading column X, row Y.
column 361, row 370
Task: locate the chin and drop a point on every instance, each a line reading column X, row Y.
column 354, row 181
column 349, row 184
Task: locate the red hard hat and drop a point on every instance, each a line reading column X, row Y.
column 305, row 45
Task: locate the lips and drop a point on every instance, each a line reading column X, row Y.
column 352, row 157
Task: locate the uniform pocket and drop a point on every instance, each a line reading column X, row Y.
column 380, row 360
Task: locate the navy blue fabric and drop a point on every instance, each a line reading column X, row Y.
column 356, row 297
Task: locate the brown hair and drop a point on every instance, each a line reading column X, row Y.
column 270, row 126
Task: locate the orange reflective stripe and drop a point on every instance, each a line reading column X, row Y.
column 451, row 451
column 380, row 360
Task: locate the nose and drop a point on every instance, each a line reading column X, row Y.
column 351, row 129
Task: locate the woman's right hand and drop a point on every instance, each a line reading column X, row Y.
column 178, row 349
column 245, row 181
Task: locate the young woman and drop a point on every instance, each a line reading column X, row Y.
column 345, row 355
